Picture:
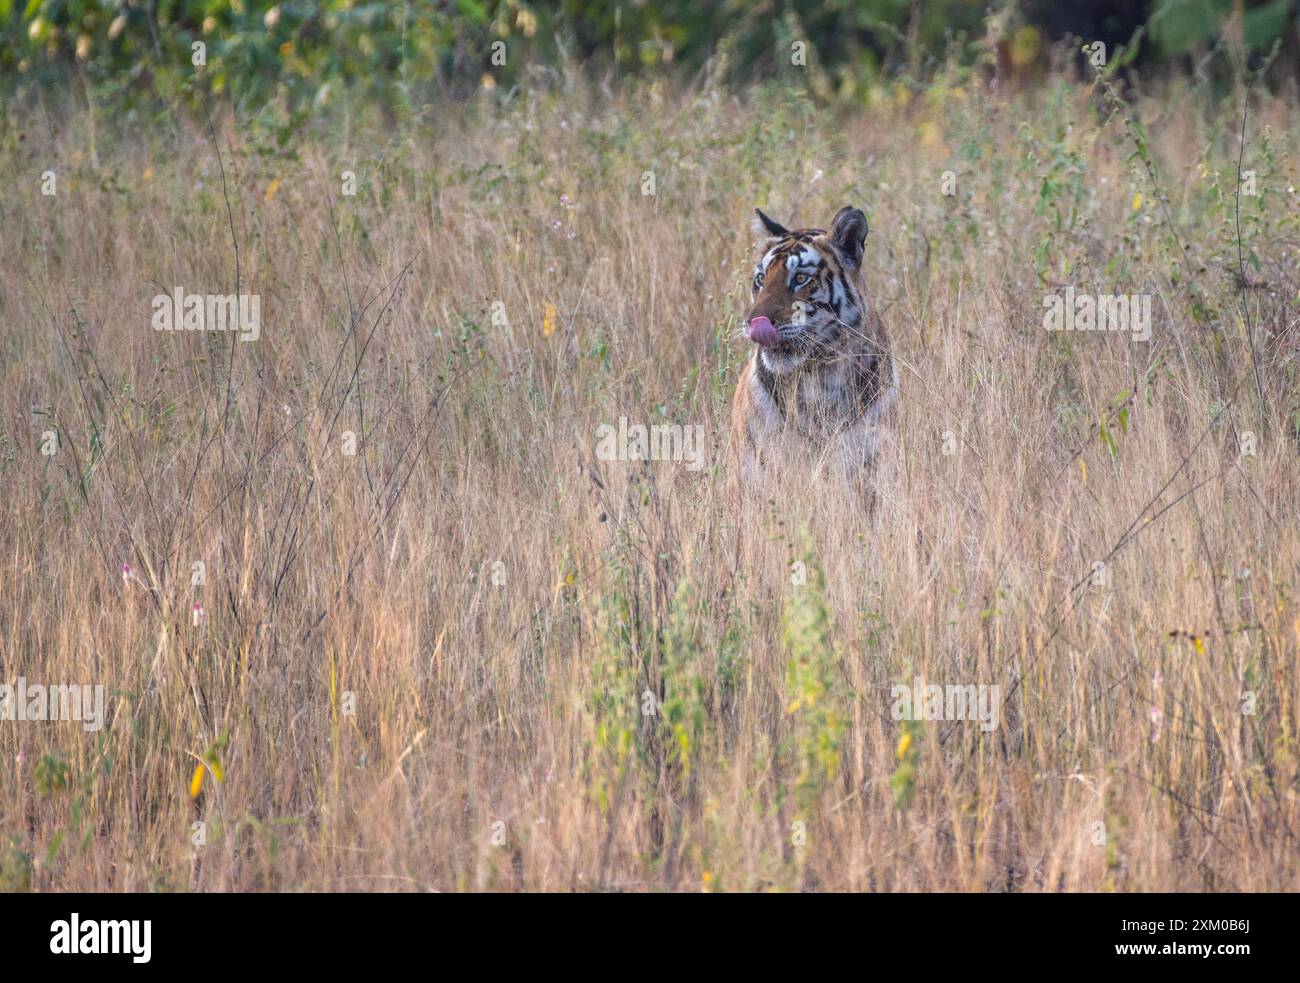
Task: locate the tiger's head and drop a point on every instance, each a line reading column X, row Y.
column 805, row 294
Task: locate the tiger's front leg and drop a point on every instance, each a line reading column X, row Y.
column 756, row 425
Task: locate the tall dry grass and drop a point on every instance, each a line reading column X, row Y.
column 425, row 666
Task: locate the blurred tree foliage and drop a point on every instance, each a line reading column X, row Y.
column 403, row 53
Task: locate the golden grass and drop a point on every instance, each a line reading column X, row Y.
column 498, row 740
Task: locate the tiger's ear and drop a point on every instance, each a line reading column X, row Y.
column 848, row 233
column 772, row 227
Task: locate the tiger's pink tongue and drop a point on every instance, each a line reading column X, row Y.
column 762, row 332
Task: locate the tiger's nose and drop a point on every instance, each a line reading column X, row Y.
column 763, row 333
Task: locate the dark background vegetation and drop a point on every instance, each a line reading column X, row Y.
column 137, row 53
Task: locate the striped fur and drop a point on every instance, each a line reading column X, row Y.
column 828, row 386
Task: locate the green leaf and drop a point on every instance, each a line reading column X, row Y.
column 1108, row 441
column 1179, row 25
column 1264, row 25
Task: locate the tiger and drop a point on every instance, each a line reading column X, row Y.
column 821, row 377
